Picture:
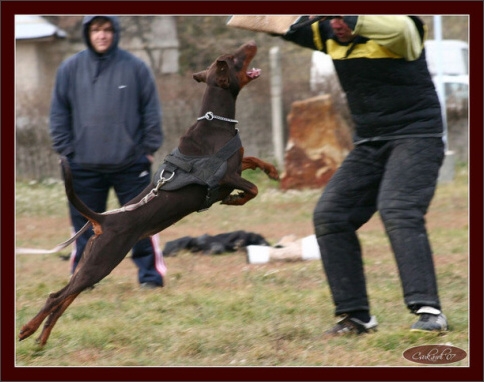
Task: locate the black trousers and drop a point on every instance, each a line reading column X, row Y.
column 93, row 188
column 397, row 178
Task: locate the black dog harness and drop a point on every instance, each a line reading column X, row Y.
column 182, row 170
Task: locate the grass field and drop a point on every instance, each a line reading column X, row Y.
column 220, row 311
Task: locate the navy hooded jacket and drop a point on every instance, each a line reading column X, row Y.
column 105, row 111
column 383, row 72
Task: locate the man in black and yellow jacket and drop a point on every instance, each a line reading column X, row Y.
column 393, row 168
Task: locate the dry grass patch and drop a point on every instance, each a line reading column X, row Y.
column 219, row 310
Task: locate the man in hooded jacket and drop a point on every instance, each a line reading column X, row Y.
column 106, row 119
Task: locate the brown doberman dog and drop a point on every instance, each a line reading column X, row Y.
column 213, row 138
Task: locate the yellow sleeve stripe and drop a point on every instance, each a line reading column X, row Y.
column 370, row 49
column 317, row 36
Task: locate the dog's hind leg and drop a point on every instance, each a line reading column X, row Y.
column 50, row 305
column 53, row 317
column 31, row 327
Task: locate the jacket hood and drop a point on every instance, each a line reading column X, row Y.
column 85, row 32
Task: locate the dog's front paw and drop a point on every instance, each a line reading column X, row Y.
column 272, row 173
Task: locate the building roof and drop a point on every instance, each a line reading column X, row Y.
column 35, row 27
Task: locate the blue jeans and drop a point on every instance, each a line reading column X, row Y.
column 93, row 187
column 398, row 179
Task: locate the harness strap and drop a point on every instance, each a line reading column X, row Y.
column 204, row 170
column 206, row 173
column 177, row 162
column 230, row 147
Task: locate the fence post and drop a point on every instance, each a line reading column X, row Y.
column 276, row 102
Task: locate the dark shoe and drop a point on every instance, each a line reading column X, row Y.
column 351, row 325
column 149, row 285
column 430, row 320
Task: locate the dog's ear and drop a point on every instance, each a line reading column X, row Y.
column 223, row 79
column 201, row 76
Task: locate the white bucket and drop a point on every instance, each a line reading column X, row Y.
column 258, row 254
column 304, row 249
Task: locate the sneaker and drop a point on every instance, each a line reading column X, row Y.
column 351, row 325
column 430, row 319
column 149, row 285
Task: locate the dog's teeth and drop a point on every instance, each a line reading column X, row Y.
column 254, row 72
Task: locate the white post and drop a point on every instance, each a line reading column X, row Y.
column 276, row 101
column 447, row 170
column 440, row 73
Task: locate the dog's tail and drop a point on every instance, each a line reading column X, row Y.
column 95, row 218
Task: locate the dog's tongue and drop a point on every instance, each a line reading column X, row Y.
column 253, row 73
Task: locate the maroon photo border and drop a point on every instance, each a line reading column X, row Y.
column 9, row 372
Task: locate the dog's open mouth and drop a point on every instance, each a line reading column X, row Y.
column 253, row 73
